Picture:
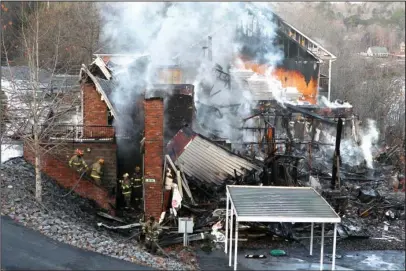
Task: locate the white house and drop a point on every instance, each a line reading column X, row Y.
column 377, row 51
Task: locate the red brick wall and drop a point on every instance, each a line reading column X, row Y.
column 94, row 113
column 56, row 167
column 153, row 157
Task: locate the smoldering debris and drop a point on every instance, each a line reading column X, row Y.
column 369, row 206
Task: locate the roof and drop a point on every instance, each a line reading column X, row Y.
column 311, row 46
column 204, row 160
column 108, row 87
column 100, row 85
column 379, row 50
column 280, row 204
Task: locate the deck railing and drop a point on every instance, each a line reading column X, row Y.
column 78, row 132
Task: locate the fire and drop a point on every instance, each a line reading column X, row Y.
column 288, row 78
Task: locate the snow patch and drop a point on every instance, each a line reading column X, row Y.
column 9, row 151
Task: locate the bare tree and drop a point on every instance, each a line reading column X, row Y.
column 34, row 109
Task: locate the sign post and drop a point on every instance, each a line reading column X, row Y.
column 185, row 226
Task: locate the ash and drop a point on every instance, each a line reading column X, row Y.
column 70, row 219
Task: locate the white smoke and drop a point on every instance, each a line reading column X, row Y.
column 353, row 154
column 174, row 34
column 369, row 137
column 336, row 104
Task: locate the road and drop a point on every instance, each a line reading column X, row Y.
column 26, row 249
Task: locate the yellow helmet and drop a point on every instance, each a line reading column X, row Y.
column 126, row 175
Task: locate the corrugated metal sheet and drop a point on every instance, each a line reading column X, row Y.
column 280, row 203
column 206, row 161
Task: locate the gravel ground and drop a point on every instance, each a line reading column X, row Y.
column 70, row 219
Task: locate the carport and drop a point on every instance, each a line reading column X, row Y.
column 277, row 204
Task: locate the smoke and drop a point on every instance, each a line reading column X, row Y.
column 369, row 137
column 336, row 104
column 175, row 34
column 353, row 154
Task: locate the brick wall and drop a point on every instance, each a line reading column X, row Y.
column 55, row 165
column 153, row 156
column 94, row 113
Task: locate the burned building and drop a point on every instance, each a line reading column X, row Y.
column 115, row 89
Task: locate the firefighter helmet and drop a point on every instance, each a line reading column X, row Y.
column 126, row 175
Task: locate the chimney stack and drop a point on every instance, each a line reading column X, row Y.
column 153, row 156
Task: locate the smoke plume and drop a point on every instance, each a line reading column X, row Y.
column 353, row 154
column 175, row 34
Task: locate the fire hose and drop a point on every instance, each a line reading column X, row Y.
column 73, row 188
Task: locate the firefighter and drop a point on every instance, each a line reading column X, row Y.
column 126, row 186
column 151, row 230
column 97, row 171
column 77, row 162
column 136, row 189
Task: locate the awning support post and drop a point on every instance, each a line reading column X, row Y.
column 231, row 236
column 227, row 210
column 333, row 264
column 322, row 247
column 311, row 239
column 235, row 245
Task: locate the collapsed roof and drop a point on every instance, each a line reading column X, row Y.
column 205, row 161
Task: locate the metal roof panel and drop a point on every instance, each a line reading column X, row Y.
column 280, row 204
column 205, row 160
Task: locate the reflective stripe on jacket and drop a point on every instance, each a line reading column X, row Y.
column 125, row 188
column 152, row 231
column 77, row 161
column 96, row 170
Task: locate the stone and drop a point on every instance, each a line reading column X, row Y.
column 54, row 229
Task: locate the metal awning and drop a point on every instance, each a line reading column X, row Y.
column 277, row 204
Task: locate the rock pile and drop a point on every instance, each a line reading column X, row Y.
column 70, row 219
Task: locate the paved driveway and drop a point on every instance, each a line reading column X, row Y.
column 26, row 249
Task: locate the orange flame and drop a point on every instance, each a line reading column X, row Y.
column 288, row 78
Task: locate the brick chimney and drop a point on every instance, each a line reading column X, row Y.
column 153, row 156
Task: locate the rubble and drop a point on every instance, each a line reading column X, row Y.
column 367, row 194
column 70, row 219
column 364, row 202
